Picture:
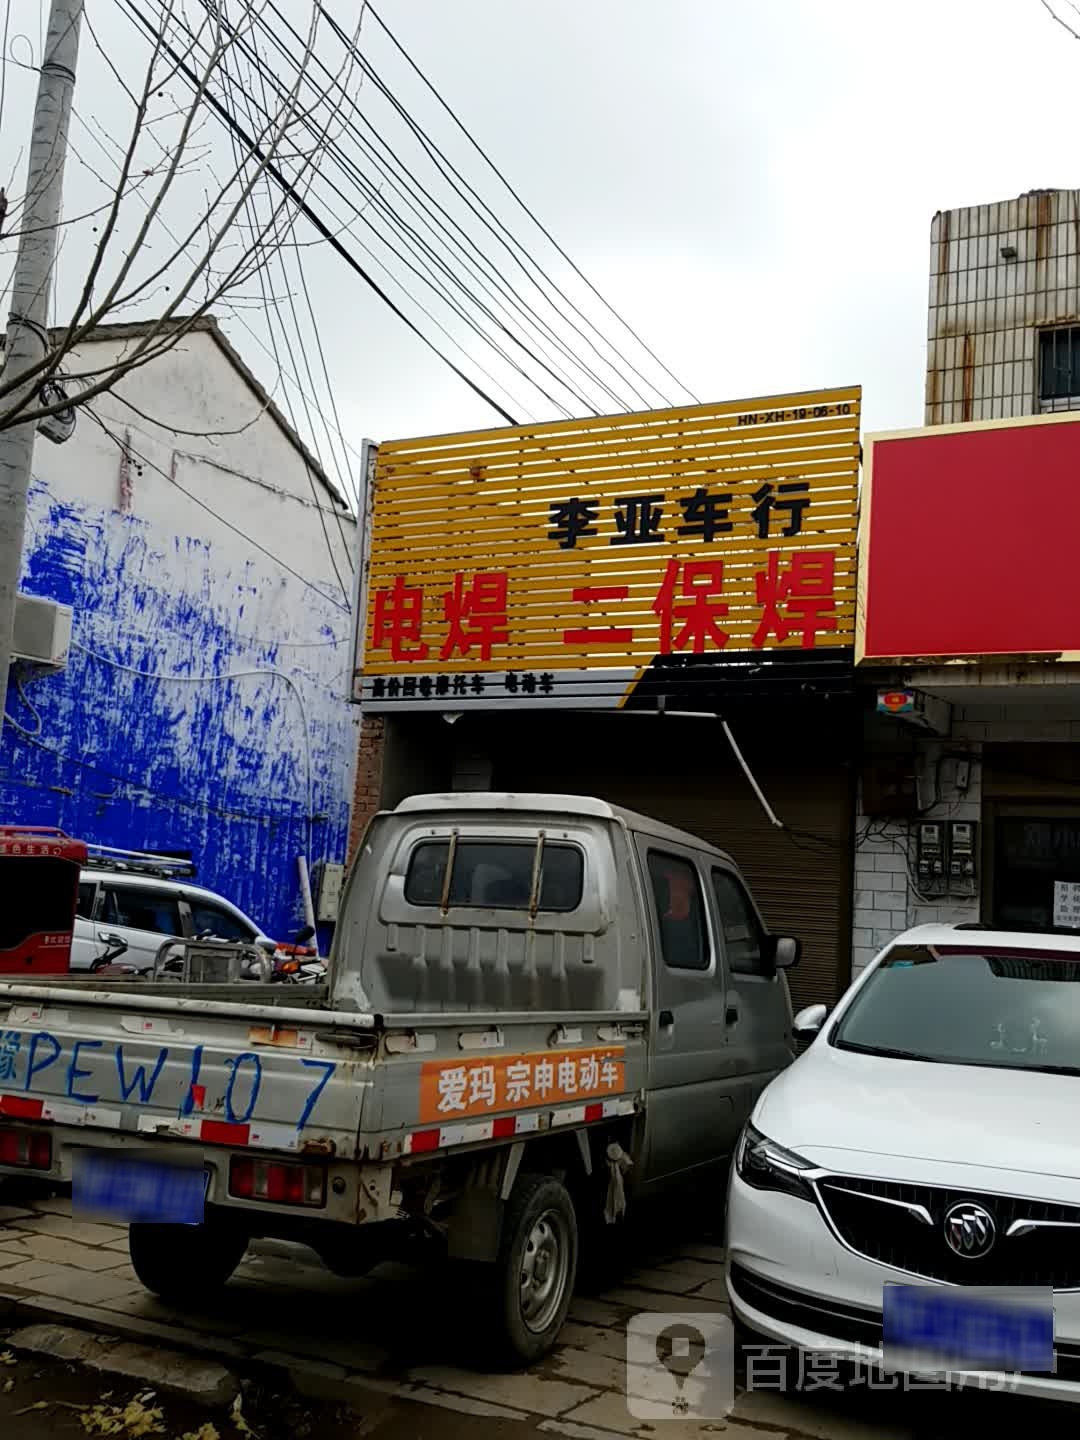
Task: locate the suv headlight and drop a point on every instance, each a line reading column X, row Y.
column 764, row 1165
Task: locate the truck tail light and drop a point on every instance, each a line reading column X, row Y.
column 28, row 1148
column 276, row 1183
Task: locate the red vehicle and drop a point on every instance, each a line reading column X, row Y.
column 39, row 880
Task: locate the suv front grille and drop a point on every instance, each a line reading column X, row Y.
column 885, row 1221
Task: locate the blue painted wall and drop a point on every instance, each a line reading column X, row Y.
column 248, row 773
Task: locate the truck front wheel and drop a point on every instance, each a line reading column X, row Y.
column 535, row 1270
column 184, row 1263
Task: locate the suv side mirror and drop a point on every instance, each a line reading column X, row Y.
column 786, row 951
column 809, row 1021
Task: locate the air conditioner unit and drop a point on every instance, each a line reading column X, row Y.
column 42, row 632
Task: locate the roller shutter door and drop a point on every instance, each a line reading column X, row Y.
column 682, row 771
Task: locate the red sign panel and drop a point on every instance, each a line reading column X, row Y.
column 969, row 541
column 39, row 880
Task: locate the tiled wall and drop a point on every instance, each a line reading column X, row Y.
column 986, row 308
column 886, row 901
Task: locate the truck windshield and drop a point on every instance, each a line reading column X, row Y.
column 970, row 1005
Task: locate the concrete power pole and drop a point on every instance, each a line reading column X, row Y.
column 31, row 283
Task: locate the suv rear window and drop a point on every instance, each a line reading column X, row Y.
column 495, row 875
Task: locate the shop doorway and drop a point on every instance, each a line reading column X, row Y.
column 1034, row 865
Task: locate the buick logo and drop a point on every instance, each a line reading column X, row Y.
column 969, row 1230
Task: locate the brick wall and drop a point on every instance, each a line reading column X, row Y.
column 367, row 789
column 886, row 900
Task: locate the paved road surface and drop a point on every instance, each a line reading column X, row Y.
column 395, row 1338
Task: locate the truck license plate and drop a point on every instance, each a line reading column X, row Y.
column 138, row 1190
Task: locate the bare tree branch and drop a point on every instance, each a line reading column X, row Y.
column 221, row 254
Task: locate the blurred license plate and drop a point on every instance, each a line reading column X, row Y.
column 138, row 1191
column 968, row 1328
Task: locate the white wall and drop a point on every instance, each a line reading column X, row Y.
column 144, row 740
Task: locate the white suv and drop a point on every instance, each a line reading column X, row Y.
column 144, row 911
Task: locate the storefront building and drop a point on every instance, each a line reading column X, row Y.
column 969, row 635
column 604, row 606
column 969, row 622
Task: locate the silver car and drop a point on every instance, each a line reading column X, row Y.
column 143, row 911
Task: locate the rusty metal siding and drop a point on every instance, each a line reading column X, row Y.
column 985, row 311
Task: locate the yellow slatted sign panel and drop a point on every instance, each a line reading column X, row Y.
column 553, row 564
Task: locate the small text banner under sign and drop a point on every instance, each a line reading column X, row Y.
column 1067, row 904
column 519, row 1082
column 555, row 564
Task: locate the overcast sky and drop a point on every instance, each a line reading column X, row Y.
column 749, row 182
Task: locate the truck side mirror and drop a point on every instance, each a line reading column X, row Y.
column 808, row 1021
column 786, row 952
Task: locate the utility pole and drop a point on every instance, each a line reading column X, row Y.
column 27, row 332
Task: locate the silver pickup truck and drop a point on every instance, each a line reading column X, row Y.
column 540, row 1008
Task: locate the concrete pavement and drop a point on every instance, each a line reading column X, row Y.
column 397, row 1335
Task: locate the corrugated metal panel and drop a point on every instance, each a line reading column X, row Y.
column 683, row 772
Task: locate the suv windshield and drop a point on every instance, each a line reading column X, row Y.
column 970, row 1005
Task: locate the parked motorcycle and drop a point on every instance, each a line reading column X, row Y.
column 229, row 961
column 106, row 967
column 298, row 963
column 265, row 962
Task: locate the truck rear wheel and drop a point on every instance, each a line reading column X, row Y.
column 534, row 1273
column 184, row 1263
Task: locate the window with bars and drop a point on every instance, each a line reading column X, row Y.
column 1059, row 364
column 495, row 874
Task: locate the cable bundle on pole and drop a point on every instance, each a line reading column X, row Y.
column 427, row 222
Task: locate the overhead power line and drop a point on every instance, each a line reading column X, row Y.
column 476, row 290
column 290, row 190
column 185, row 247
column 507, row 239
column 288, row 377
column 123, row 444
column 418, row 246
column 428, row 202
column 272, row 309
column 510, row 188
